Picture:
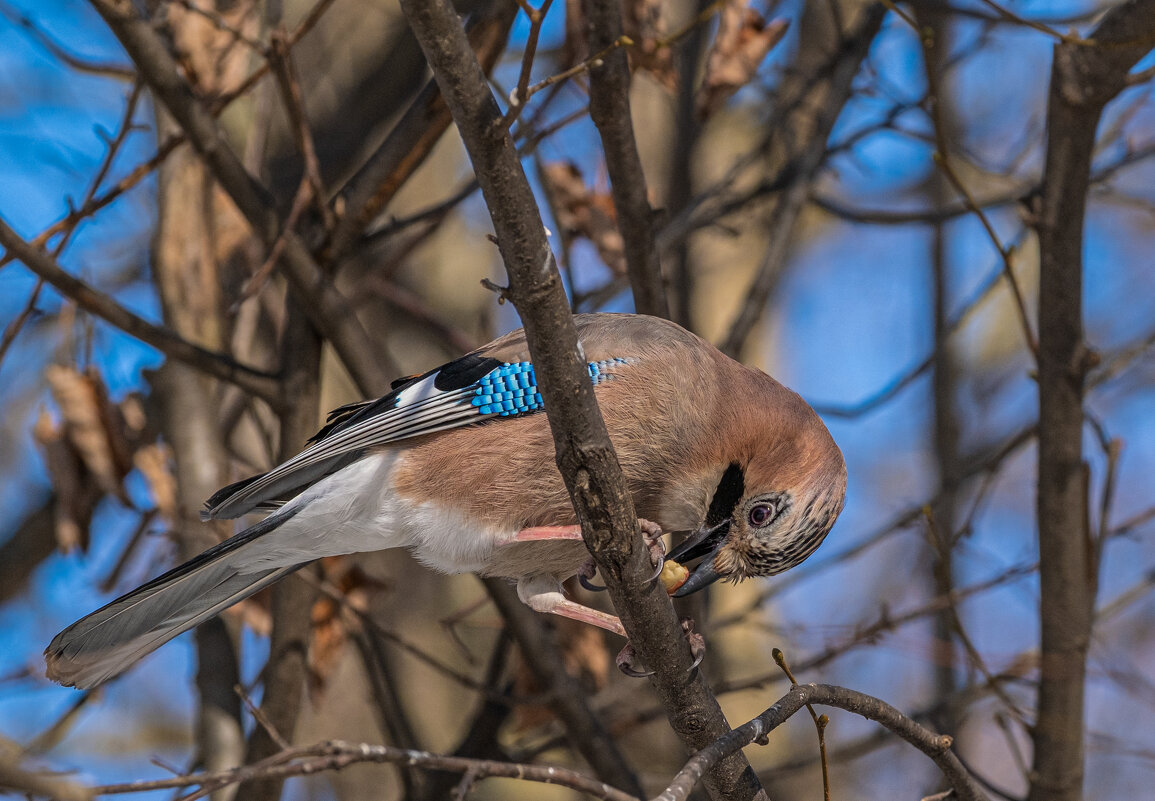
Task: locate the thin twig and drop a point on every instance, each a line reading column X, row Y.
column 219, row 365
column 865, row 634
column 338, row 754
column 798, row 185
column 261, row 719
column 578, row 69
column 364, row 619
column 520, row 94
column 820, row 723
column 1009, row 16
column 927, row 39
column 281, row 61
column 124, row 127
column 100, row 68
column 223, row 25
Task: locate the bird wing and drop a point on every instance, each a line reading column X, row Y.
column 494, row 382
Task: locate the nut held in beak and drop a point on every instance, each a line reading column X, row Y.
column 673, row 575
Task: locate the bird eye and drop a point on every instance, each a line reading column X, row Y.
column 762, row 514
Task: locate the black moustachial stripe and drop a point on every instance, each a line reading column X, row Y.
column 730, row 489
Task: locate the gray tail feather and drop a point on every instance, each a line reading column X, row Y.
column 108, row 641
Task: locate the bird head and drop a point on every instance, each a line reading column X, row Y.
column 778, row 484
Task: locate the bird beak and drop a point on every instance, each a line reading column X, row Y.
column 704, row 542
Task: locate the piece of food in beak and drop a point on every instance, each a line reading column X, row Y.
column 673, row 575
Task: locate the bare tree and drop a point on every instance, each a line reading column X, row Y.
column 315, row 225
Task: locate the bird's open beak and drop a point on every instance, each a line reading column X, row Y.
column 704, row 542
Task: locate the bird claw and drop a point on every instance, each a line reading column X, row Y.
column 587, row 572
column 625, row 663
column 697, row 642
column 625, row 658
column 661, row 564
column 652, row 534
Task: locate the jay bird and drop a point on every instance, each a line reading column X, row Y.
column 457, row 465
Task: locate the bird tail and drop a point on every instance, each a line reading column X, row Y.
column 108, row 641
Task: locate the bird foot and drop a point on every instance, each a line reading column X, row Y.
column 625, row 663
column 697, row 641
column 585, row 574
column 543, row 593
column 652, row 534
column 626, row 659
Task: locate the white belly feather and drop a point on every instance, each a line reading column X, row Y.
column 356, row 510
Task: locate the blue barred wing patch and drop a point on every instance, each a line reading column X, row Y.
column 512, row 388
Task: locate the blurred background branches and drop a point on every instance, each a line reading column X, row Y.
column 933, row 220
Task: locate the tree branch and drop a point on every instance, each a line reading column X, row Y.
column 286, row 671
column 610, row 111
column 328, row 309
column 336, row 754
column 1083, row 80
column 219, row 365
column 584, row 453
column 935, row 746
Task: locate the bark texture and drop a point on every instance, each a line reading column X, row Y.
column 1084, row 78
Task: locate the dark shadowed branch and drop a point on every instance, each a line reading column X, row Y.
column 610, row 111
column 292, row 601
column 540, row 651
column 412, row 139
column 1083, row 80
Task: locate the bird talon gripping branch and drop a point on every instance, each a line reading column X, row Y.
column 454, row 465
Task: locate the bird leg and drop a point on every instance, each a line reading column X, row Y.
column 543, row 593
column 537, row 533
column 651, row 532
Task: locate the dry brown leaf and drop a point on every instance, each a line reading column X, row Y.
column 75, row 493
column 89, row 449
column 330, row 626
column 87, row 418
column 645, row 23
column 582, row 212
column 153, row 462
column 327, row 645
column 742, row 42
